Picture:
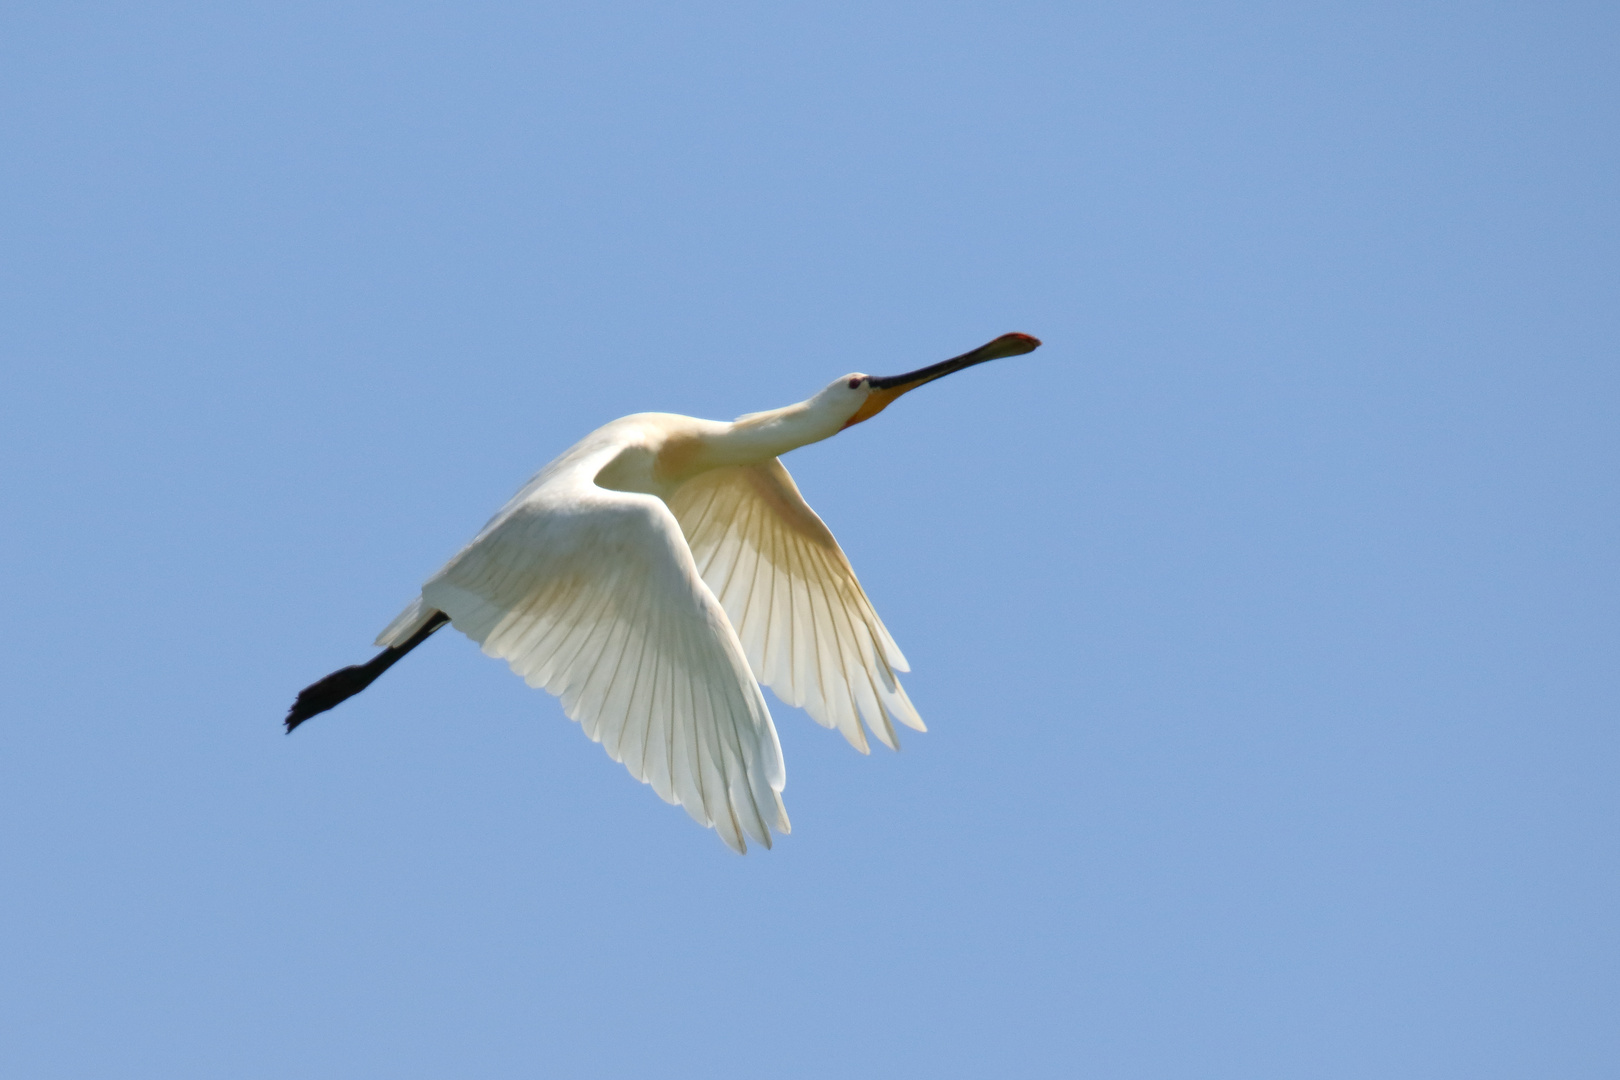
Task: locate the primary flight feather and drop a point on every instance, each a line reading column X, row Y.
column 654, row 575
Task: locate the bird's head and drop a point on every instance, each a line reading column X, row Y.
column 867, row 395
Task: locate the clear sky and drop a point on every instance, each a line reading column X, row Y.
column 1265, row 620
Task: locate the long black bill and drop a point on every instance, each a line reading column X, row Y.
column 1005, row 345
column 340, row 686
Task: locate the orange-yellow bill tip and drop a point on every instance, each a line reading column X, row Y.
column 1013, row 345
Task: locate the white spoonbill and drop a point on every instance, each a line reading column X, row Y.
column 652, row 573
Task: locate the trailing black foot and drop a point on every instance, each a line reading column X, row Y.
column 341, row 685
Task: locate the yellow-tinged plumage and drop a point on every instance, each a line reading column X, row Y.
column 655, row 574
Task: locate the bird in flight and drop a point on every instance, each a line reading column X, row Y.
column 654, row 575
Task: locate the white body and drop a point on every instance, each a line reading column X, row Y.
column 652, row 573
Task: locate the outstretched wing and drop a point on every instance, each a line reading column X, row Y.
column 807, row 628
column 593, row 595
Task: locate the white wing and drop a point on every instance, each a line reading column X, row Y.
column 806, row 626
column 593, row 595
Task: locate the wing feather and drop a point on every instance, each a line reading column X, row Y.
column 804, row 622
column 593, row 595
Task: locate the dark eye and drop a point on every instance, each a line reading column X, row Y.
column 854, row 384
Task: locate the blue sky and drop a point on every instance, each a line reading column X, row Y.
column 1264, row 620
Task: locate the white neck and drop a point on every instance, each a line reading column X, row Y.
column 689, row 447
column 758, row 437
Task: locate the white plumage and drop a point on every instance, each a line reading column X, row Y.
column 652, row 573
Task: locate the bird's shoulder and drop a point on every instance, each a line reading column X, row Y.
column 644, row 453
column 613, row 471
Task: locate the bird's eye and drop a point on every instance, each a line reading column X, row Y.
column 854, row 384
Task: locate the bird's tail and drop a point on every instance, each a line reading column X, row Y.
column 406, row 623
column 341, row 685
